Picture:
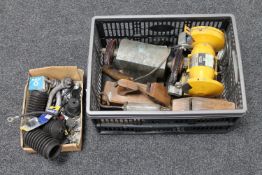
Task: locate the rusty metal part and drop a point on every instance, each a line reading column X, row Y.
column 114, row 73
column 156, row 91
column 111, row 96
column 109, row 53
column 126, row 87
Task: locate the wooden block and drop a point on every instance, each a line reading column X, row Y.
column 181, row 104
column 157, row 91
column 199, row 103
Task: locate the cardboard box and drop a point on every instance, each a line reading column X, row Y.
column 56, row 72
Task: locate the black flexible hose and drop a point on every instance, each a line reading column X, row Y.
column 37, row 101
column 56, row 128
column 42, row 143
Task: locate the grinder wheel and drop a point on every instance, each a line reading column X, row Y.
column 176, row 66
column 109, row 54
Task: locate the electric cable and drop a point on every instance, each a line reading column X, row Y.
column 152, row 71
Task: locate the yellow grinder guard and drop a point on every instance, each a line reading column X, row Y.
column 206, row 41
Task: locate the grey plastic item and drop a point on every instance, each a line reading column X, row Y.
column 139, row 28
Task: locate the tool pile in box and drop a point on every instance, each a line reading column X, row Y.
column 52, row 112
column 184, row 77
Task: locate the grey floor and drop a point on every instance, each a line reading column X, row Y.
column 43, row 33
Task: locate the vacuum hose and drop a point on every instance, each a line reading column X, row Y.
column 36, row 102
column 43, row 143
column 56, row 128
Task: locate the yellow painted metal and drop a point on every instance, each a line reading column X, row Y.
column 205, row 88
column 206, row 41
column 209, row 35
column 203, row 48
column 201, row 73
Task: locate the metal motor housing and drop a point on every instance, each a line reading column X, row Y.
column 140, row 58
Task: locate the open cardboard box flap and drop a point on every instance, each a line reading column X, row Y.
column 57, row 72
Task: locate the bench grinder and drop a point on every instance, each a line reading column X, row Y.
column 202, row 66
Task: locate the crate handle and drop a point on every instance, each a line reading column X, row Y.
column 235, row 66
column 161, row 28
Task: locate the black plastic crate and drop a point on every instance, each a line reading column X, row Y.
column 135, row 126
column 163, row 30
